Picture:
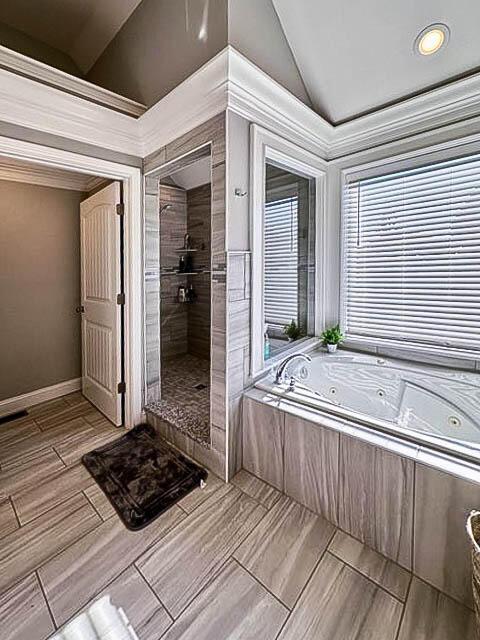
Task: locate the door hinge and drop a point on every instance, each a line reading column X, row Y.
column 120, row 298
column 122, row 387
column 120, row 209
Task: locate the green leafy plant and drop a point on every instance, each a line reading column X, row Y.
column 292, row 330
column 333, row 335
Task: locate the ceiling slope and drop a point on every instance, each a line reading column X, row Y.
column 356, row 57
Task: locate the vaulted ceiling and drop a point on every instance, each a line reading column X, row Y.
column 343, row 58
column 357, row 56
column 80, row 29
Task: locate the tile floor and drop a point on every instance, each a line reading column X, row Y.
column 183, row 405
column 231, row 561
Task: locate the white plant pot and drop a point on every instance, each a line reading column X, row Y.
column 331, row 348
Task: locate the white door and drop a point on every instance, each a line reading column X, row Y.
column 101, row 314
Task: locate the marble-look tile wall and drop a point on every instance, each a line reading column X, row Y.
column 198, row 226
column 173, row 316
column 238, row 285
column 409, row 512
column 209, row 136
column 152, row 290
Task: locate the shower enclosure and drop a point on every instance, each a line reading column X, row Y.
column 184, row 209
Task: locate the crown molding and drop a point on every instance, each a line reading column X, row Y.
column 194, row 101
column 442, row 107
column 36, row 106
column 45, row 176
column 40, row 72
column 254, row 95
column 231, row 81
column 228, row 81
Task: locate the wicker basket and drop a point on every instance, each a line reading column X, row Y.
column 473, row 530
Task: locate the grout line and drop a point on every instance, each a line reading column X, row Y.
column 377, row 584
column 92, row 505
column 315, row 566
column 217, row 570
column 59, row 456
column 402, row 615
column 151, row 589
column 42, row 589
column 262, row 584
column 55, row 555
column 15, row 512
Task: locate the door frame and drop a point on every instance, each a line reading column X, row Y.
column 131, row 179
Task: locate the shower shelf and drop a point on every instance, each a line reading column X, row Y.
column 185, row 250
column 183, row 273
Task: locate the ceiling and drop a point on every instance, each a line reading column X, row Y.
column 355, row 57
column 79, row 28
column 195, row 175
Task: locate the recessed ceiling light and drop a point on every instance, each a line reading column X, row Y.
column 431, row 39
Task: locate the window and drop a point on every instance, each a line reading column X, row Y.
column 411, row 261
column 287, row 196
column 288, row 294
column 281, row 261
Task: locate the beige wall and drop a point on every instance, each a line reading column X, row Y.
column 39, row 287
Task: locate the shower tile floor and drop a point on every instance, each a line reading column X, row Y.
column 185, row 402
column 230, row 561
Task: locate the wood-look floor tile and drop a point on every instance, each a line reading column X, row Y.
column 82, row 570
column 51, row 491
column 27, row 548
column 73, row 447
column 16, row 431
column 256, row 488
column 63, row 414
column 234, row 605
column 74, row 398
column 23, row 612
column 99, row 501
column 44, row 439
column 340, row 604
column 186, row 559
column 198, row 496
column 392, row 577
column 48, row 408
column 283, row 550
column 8, row 521
column 144, row 611
column 26, row 471
column 431, row 615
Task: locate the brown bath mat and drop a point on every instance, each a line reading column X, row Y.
column 142, row 475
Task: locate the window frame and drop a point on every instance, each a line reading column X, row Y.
column 267, row 146
column 420, row 157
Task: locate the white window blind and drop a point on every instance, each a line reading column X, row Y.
column 411, row 261
column 281, row 261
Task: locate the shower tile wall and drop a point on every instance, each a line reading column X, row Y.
column 185, row 328
column 210, row 133
column 173, row 226
column 199, row 228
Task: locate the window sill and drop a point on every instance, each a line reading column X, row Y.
column 447, row 356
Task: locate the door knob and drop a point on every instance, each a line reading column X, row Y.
column 80, row 309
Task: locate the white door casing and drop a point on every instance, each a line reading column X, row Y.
column 101, row 315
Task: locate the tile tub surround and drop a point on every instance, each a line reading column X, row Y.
column 228, row 561
column 411, row 513
column 210, row 135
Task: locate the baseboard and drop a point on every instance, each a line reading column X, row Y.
column 11, row 405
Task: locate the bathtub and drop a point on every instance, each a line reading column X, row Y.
column 433, row 405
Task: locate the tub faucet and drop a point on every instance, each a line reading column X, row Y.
column 282, row 367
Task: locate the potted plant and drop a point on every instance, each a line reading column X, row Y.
column 331, row 338
column 292, row 331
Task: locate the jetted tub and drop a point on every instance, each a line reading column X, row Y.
column 430, row 404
